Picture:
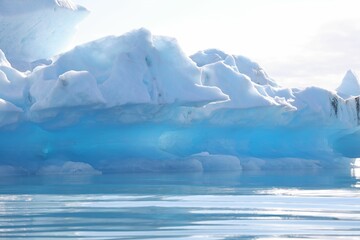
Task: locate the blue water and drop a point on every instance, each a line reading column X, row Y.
column 233, row 205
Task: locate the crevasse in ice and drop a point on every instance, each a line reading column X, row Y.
column 137, row 103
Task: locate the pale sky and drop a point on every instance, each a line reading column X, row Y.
column 298, row 42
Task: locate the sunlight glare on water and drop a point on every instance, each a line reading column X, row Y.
column 355, row 172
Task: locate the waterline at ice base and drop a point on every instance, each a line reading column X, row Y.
column 137, row 103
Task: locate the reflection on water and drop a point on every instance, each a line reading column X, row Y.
column 323, row 205
column 355, row 173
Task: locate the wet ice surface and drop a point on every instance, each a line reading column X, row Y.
column 266, row 205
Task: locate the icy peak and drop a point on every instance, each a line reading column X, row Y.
column 350, row 85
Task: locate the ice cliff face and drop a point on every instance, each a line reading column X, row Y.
column 137, row 103
column 33, row 30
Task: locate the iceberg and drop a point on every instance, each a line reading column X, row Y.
column 26, row 25
column 136, row 102
column 350, row 86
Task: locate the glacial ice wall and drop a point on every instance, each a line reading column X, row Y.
column 137, row 103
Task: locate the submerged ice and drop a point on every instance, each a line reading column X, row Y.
column 137, row 103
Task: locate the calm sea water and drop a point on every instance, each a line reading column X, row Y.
column 262, row 205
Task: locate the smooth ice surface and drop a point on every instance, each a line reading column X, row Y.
column 136, row 103
column 33, row 30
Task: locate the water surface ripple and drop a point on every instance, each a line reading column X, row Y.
column 181, row 206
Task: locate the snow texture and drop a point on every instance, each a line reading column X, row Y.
column 33, row 30
column 137, row 103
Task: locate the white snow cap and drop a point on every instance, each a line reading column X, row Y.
column 72, row 89
column 37, row 29
column 350, row 85
column 136, row 68
column 238, row 63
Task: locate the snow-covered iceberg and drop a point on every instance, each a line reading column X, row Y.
column 350, row 86
column 137, row 103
